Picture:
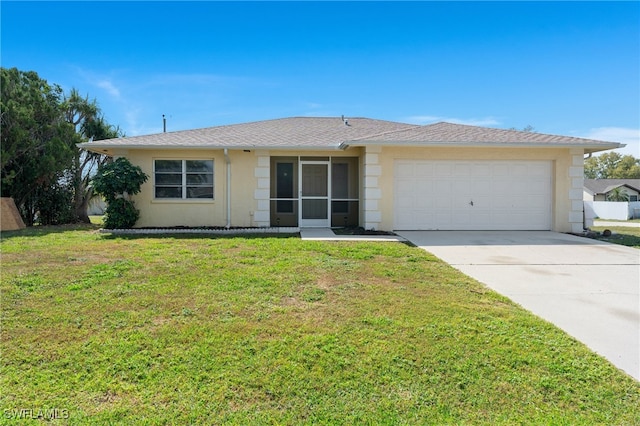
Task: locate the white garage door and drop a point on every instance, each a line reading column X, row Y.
column 472, row 195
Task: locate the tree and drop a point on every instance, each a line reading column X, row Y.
column 612, row 165
column 618, row 194
column 116, row 181
column 89, row 124
column 40, row 160
column 36, row 141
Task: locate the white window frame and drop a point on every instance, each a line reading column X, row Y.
column 183, row 185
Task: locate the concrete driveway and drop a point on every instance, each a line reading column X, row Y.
column 588, row 288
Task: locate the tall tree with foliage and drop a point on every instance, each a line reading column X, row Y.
column 612, row 165
column 89, row 124
column 42, row 168
column 37, row 144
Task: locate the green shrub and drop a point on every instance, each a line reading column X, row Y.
column 121, row 214
column 115, row 181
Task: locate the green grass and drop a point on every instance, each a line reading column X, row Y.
column 258, row 330
column 623, row 235
column 97, row 220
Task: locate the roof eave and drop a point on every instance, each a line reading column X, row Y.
column 104, row 148
column 448, row 144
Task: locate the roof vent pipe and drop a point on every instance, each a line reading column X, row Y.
column 164, row 124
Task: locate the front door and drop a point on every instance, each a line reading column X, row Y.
column 314, row 178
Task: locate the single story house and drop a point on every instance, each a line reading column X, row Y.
column 600, row 189
column 383, row 175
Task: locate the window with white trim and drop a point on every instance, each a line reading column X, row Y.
column 183, row 179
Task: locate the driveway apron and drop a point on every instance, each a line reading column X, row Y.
column 588, row 288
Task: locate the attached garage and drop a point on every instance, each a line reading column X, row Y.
column 472, row 195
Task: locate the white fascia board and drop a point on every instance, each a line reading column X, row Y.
column 587, row 147
column 105, row 147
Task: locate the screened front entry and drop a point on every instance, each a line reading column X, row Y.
column 314, row 191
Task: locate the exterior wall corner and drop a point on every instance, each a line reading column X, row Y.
column 261, row 215
column 372, row 192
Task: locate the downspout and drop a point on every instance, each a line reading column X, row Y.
column 228, row 162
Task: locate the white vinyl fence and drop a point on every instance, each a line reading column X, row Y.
column 611, row 210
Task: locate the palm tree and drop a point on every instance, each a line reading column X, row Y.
column 89, row 123
column 618, row 194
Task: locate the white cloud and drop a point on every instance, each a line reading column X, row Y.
column 428, row 119
column 630, row 137
column 98, row 80
column 109, row 87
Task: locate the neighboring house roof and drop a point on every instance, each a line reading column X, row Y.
column 604, row 186
column 334, row 133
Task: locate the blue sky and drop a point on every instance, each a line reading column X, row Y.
column 570, row 68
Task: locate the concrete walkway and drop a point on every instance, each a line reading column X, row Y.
column 588, row 288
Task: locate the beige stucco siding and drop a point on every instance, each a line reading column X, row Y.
column 250, row 183
column 196, row 212
column 565, row 169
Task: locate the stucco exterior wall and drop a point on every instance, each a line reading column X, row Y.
column 197, row 212
column 250, row 180
column 249, row 196
column 567, row 172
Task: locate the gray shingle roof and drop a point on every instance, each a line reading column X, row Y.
column 333, row 133
column 603, row 186
column 324, row 132
column 464, row 134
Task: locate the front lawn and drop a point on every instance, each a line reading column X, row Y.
column 189, row 330
column 623, row 235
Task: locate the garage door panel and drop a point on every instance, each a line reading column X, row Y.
column 443, row 218
column 405, row 187
column 518, row 170
column 538, row 187
column 480, row 203
column 425, row 203
column 472, row 195
column 462, row 170
column 501, row 169
column 540, row 170
column 481, row 170
column 461, row 187
column 481, row 186
column 424, row 170
column 443, row 169
column 502, row 186
column 460, row 203
column 405, row 203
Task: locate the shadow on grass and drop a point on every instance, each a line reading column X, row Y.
column 190, row 236
column 39, row 231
